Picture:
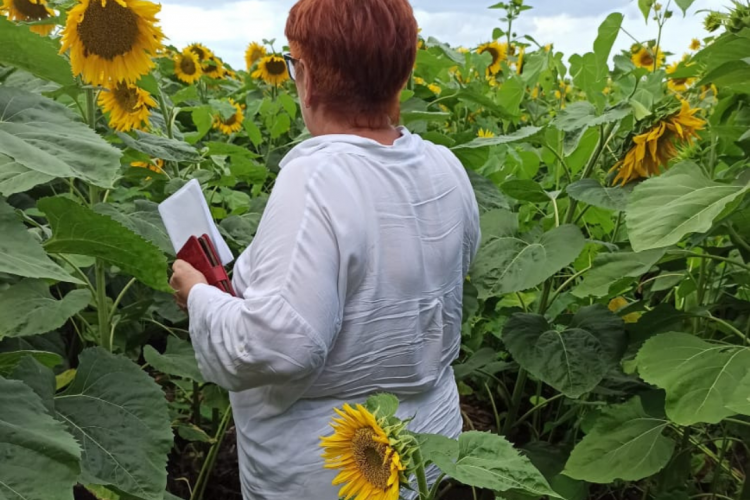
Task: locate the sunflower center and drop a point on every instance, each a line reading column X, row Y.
column 495, row 54
column 187, row 65
column 34, row 11
column 371, row 458
column 127, row 97
column 198, row 52
column 680, row 81
column 276, row 67
column 646, row 59
column 231, row 120
column 109, row 31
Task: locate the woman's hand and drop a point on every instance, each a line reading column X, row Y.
column 183, row 280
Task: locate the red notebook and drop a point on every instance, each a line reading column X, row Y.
column 201, row 254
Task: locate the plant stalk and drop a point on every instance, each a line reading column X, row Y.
column 424, row 491
column 210, row 462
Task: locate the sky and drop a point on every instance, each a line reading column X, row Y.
column 227, row 26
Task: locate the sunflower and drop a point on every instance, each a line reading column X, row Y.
column 618, row 303
column 233, row 123
column 112, row 40
column 646, row 58
column 201, row 51
column 485, row 134
column 254, row 52
column 29, row 11
column 499, row 53
column 361, row 448
column 695, row 44
column 656, row 147
column 156, row 165
column 187, row 66
column 434, row 88
column 214, row 67
column 272, row 70
column 678, row 84
column 128, row 106
column 419, row 80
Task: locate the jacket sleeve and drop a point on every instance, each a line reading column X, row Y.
column 282, row 328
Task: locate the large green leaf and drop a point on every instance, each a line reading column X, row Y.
column 700, row 378
column 525, row 190
column 484, row 460
column 512, row 263
column 605, row 40
column 157, row 146
column 582, row 114
column 28, row 308
column 39, row 459
column 41, row 140
column 518, row 135
column 610, row 268
column 40, row 378
column 10, row 360
column 591, row 192
column 21, row 254
column 572, row 360
column 143, row 220
column 120, row 417
column 625, row 443
column 487, row 193
column 81, row 231
column 684, row 5
column 178, row 359
column 511, row 95
column 662, row 210
column 21, row 48
column 740, row 400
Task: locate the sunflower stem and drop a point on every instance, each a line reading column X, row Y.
column 424, row 491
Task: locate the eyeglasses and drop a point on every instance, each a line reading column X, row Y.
column 290, row 62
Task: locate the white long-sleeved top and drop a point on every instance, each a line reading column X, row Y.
column 352, row 285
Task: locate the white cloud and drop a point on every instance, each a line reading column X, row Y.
column 227, row 28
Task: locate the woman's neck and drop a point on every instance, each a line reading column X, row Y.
column 386, row 135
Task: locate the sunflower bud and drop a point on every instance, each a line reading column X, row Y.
column 713, row 21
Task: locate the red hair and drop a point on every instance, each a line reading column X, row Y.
column 359, row 54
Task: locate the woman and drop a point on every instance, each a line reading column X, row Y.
column 353, row 284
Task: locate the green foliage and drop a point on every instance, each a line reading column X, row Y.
column 178, row 359
column 23, row 49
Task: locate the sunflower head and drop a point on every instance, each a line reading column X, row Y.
column 233, row 123
column 254, row 53
column 112, row 40
column 129, row 106
column 370, row 455
column 695, row 44
column 155, row 165
column 620, row 302
column 187, row 66
column 214, row 67
column 201, row 51
column 272, row 70
column 29, row 11
column 648, row 58
column 499, row 53
column 677, row 85
column 486, row 134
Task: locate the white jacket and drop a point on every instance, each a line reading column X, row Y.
column 353, row 285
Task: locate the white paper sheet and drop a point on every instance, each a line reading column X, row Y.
column 186, row 214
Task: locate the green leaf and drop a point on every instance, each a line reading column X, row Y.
column 178, row 359
column 408, row 117
column 225, row 109
column 38, row 55
column 582, row 114
column 189, row 93
column 34, row 443
column 81, row 231
column 41, row 140
column 10, row 360
column 289, row 104
column 21, row 254
column 203, row 121
column 573, row 360
column 733, row 75
column 525, row 190
column 684, row 5
column 662, row 210
column 28, row 308
column 160, row 147
column 626, row 443
column 590, row 76
column 281, row 126
column 145, row 221
column 513, row 264
column 645, row 6
column 519, row 135
column 485, row 460
column 700, row 378
column 40, row 378
column 253, row 132
column 382, row 404
column 120, row 416
column 605, row 40
column 591, row 192
column 611, row 268
column 511, row 95
column 487, row 193
column 740, row 400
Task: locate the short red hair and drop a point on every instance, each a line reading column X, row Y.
column 359, row 53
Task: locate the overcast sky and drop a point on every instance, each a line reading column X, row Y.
column 227, row 26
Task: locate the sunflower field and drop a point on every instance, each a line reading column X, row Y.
column 606, row 328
